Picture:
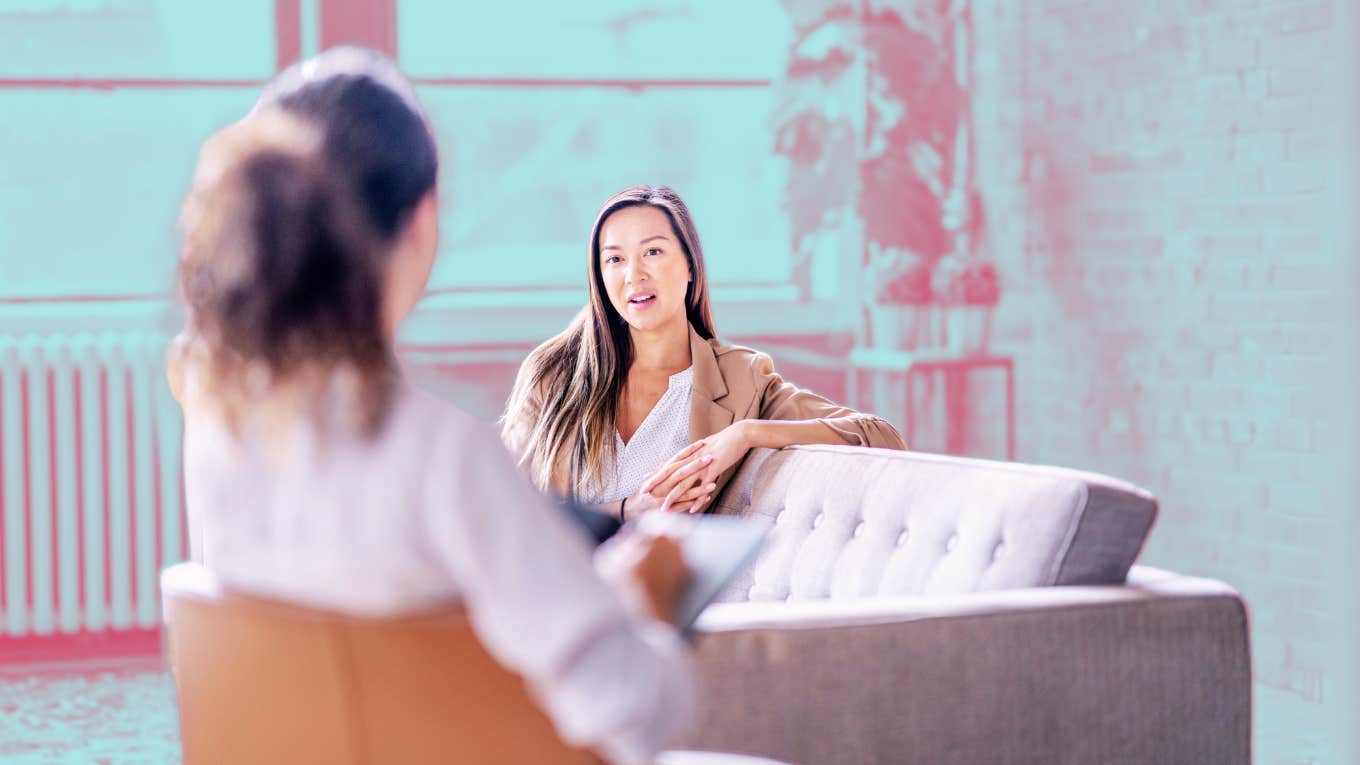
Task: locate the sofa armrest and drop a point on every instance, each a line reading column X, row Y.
column 1156, row 672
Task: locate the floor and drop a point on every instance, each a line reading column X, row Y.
column 105, row 712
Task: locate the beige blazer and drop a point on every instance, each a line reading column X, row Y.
column 735, row 383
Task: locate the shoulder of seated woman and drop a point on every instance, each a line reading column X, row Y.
column 739, row 360
column 721, row 349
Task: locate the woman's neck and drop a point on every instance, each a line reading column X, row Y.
column 665, row 349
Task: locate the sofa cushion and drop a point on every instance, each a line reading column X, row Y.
column 852, row 522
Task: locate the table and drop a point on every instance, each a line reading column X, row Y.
column 955, row 368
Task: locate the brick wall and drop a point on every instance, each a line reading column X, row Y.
column 1164, row 195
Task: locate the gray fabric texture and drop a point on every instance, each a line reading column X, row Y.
column 851, row 522
column 712, row 758
column 1158, row 673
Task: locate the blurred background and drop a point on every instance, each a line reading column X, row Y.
column 1115, row 235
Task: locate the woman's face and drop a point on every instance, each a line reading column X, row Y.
column 644, row 267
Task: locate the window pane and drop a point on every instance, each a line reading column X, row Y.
column 526, row 170
column 692, row 39
column 535, row 140
column 91, row 184
column 135, row 39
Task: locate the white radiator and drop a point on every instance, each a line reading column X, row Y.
column 90, row 492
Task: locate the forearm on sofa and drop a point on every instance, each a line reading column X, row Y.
column 1154, row 673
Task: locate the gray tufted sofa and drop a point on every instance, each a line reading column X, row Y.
column 913, row 608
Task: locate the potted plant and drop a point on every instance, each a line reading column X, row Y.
column 969, row 289
column 907, row 168
column 872, row 116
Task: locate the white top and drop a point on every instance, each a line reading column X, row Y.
column 430, row 510
column 663, row 433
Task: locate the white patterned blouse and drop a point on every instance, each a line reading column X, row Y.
column 663, row 432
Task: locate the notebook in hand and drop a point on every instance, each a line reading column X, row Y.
column 715, row 547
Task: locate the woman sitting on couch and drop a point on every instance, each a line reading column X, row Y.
column 637, row 402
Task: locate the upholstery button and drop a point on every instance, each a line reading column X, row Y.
column 902, row 538
column 952, row 542
column 817, row 519
column 859, row 528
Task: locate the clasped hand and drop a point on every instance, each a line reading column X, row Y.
column 685, row 484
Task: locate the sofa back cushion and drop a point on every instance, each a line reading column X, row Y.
column 851, row 522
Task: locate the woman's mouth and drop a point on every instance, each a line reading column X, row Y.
column 642, row 301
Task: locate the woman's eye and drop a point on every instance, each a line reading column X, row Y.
column 654, row 251
column 612, row 259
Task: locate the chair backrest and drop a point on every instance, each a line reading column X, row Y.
column 264, row 682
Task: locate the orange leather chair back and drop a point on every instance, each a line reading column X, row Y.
column 266, row 682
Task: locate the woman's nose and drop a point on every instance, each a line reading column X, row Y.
column 634, row 272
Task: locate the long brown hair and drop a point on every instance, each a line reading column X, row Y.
column 565, row 400
column 293, row 214
column 281, row 278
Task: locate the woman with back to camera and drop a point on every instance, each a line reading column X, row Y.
column 637, row 403
column 316, row 474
